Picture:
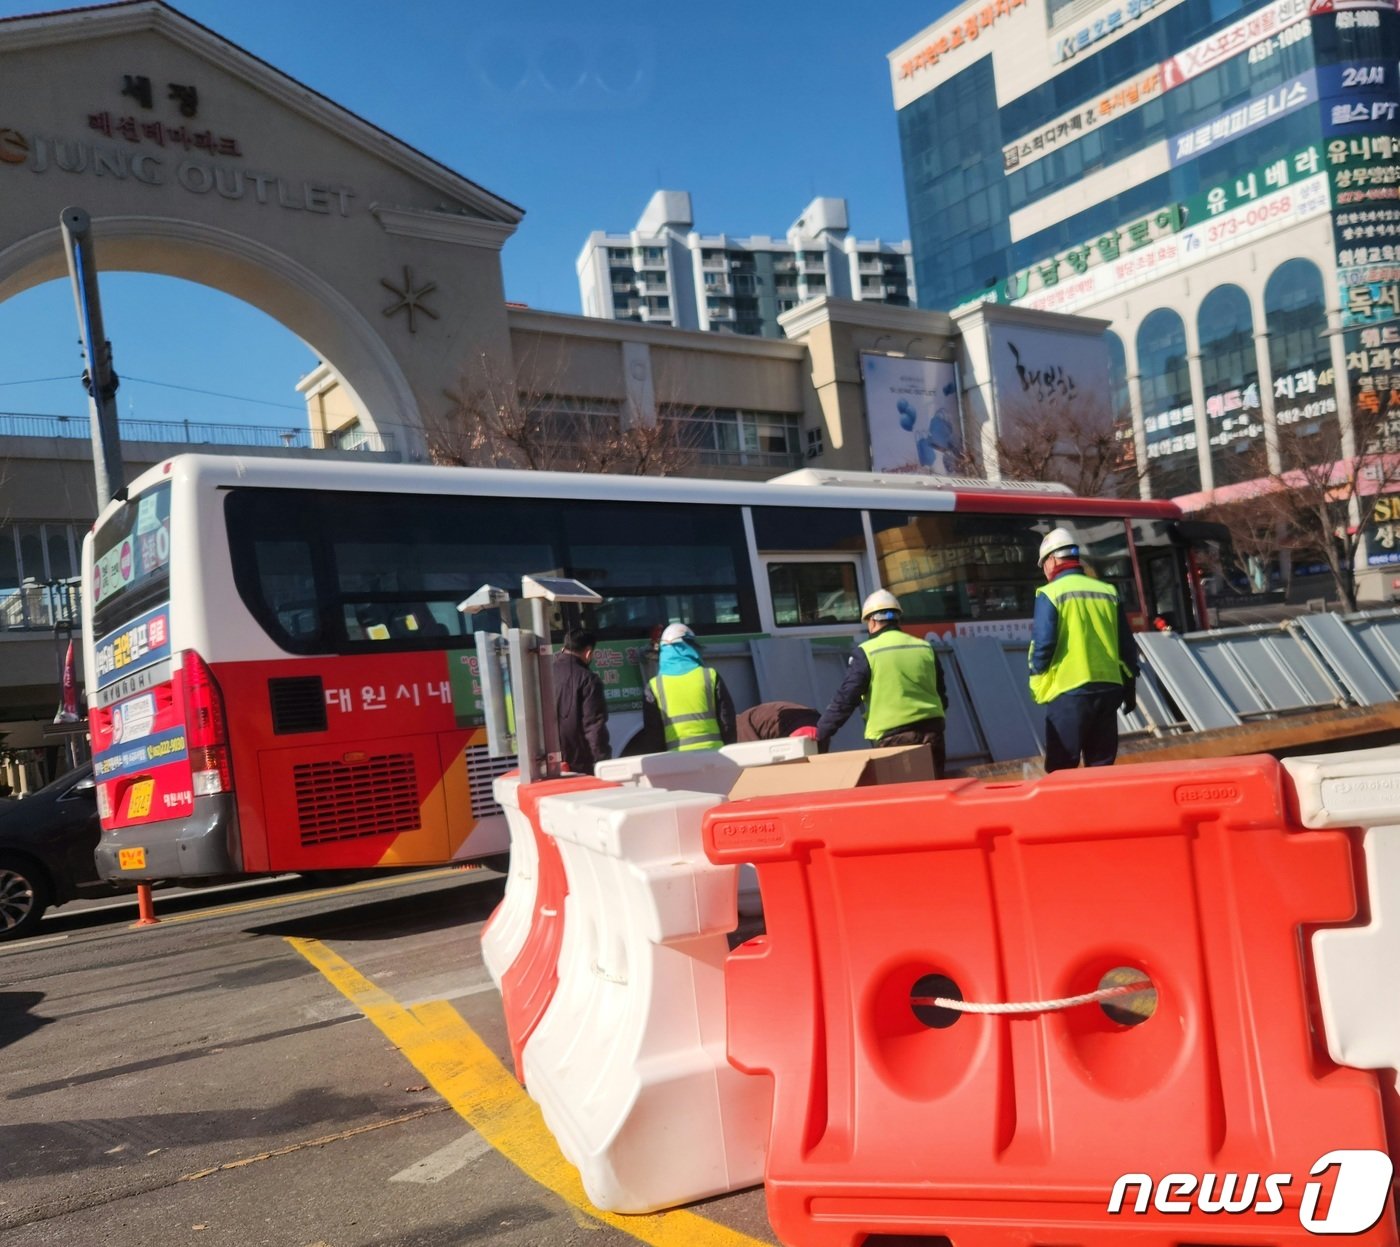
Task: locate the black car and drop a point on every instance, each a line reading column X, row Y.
column 46, row 846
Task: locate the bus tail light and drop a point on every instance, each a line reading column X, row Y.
column 205, row 730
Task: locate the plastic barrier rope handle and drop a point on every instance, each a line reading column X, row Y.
column 1034, row 1006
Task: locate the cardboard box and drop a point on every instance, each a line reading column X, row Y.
column 855, row 768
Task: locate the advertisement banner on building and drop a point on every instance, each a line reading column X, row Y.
column 1358, row 96
column 914, row 414
column 1294, row 94
column 1258, row 29
column 1237, row 192
column 1114, row 103
column 1040, row 374
column 1252, row 221
column 1107, row 22
column 1241, row 209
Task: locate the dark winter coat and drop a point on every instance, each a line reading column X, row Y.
column 583, row 714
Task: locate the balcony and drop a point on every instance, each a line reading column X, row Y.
column 652, row 285
column 811, row 264
column 876, row 267
column 713, row 262
column 641, row 261
column 720, row 313
column 720, row 286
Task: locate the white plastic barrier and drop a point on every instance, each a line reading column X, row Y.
column 709, row 770
column 505, row 934
column 1360, row 1013
column 628, row 1065
column 702, row 770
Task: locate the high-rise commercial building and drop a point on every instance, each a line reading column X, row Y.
column 1217, row 179
column 663, row 272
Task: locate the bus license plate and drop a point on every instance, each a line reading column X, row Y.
column 131, row 859
column 139, row 804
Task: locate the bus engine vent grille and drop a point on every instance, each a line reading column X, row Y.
column 298, row 704
column 376, row 797
column 482, row 770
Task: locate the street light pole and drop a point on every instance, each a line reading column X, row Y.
column 99, row 378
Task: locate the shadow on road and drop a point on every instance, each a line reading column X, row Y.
column 38, row 1148
column 454, row 902
column 16, row 1017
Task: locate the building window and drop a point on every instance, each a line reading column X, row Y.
column 1230, row 371
column 725, row 437
column 1295, row 316
column 38, row 575
column 1169, row 421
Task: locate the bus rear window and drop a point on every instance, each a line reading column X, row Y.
column 131, row 560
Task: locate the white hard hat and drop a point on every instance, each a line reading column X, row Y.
column 878, row 602
column 676, row 632
column 1058, row 541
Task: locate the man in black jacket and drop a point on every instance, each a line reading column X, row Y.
column 580, row 705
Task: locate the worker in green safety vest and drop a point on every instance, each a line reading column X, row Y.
column 897, row 680
column 686, row 704
column 1083, row 659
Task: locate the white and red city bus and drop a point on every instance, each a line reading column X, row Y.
column 279, row 678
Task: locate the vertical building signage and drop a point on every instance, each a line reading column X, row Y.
column 1360, row 105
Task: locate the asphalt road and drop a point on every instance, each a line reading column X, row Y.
column 261, row 1069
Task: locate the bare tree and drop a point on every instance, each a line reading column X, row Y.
column 1315, row 498
column 530, row 421
column 1083, row 444
column 1253, row 543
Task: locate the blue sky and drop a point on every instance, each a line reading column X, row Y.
column 575, row 112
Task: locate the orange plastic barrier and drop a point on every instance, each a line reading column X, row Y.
column 527, row 986
column 896, row 1119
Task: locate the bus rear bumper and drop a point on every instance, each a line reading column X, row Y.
column 204, row 846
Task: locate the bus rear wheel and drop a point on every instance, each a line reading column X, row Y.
column 24, row 896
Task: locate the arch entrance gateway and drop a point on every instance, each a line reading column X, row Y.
column 197, row 160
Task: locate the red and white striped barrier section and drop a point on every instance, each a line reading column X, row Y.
column 628, row 1064
column 506, row 930
column 710, row 770
column 528, row 982
column 1074, row 1011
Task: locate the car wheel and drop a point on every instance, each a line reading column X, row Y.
column 24, row 895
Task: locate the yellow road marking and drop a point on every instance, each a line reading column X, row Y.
column 272, row 902
column 466, row 1073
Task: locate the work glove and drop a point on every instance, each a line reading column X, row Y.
column 1129, row 695
column 804, row 733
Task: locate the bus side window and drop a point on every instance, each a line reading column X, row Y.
column 806, row 592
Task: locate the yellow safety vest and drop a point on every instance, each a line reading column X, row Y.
column 903, row 682
column 689, row 706
column 1086, row 643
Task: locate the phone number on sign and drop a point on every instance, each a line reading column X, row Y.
column 1256, row 216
